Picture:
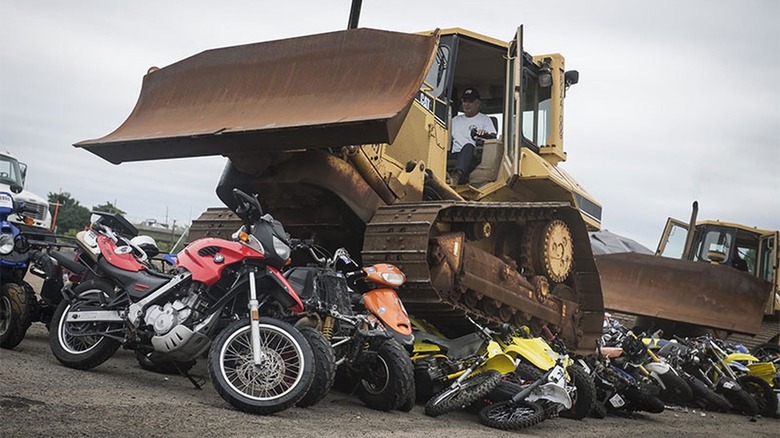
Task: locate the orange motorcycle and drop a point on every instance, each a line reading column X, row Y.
column 358, row 310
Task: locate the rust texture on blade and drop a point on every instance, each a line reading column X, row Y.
column 681, row 290
column 340, row 88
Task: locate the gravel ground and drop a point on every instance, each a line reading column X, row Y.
column 40, row 397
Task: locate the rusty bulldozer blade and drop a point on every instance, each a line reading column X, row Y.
column 334, row 89
column 680, row 290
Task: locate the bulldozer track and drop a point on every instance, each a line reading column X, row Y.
column 405, row 235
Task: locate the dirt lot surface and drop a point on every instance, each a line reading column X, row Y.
column 40, row 397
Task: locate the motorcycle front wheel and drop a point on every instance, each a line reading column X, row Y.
column 512, row 415
column 15, row 314
column 470, row 390
column 282, row 378
column 387, row 381
column 80, row 345
column 324, row 367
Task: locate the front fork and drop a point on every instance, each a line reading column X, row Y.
column 254, row 320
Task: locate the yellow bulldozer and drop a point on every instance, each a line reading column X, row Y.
column 704, row 275
column 346, row 138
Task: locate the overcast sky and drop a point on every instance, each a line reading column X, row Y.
column 677, row 101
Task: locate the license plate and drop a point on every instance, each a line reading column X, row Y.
column 616, row 401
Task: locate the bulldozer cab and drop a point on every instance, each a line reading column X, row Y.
column 523, row 96
column 744, row 248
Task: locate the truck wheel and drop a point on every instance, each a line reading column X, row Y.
column 324, row 367
column 15, row 308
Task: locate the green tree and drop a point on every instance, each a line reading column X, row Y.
column 71, row 215
column 108, row 208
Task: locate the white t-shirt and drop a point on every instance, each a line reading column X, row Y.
column 462, row 126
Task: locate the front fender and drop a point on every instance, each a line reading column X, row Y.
column 551, row 392
column 534, row 350
column 740, row 357
column 501, row 362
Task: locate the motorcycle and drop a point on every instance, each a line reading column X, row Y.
column 81, row 265
column 533, row 403
column 19, row 306
column 702, row 358
column 533, row 356
column 467, row 368
column 212, row 301
column 359, row 312
column 617, row 390
column 639, row 361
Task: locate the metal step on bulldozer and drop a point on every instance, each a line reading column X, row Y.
column 346, row 138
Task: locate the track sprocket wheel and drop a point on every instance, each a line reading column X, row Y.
column 556, row 251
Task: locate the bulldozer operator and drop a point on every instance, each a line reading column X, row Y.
column 464, row 126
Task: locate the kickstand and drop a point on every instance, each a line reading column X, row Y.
column 196, row 381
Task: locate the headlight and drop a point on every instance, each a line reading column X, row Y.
column 6, row 244
column 393, row 279
column 281, row 248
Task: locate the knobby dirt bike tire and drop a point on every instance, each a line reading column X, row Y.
column 641, row 400
column 512, row 415
column 677, row 389
column 391, row 382
column 706, row 398
column 599, row 410
column 15, row 314
column 766, row 400
column 84, row 352
column 324, row 367
column 584, row 396
column 472, row 389
column 741, row 401
column 278, row 386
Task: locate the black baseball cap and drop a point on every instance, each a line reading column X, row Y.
column 470, row 94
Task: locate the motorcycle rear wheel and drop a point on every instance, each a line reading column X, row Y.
column 324, row 367
column 15, row 314
column 766, row 400
column 388, row 382
column 68, row 346
column 472, row 389
column 280, row 381
column 511, row 415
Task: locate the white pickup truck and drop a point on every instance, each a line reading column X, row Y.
column 12, row 178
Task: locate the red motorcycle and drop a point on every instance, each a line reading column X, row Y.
column 210, row 301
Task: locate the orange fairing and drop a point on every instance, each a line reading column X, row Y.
column 384, row 274
column 385, row 304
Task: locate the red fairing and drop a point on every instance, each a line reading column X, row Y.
column 199, row 257
column 125, row 261
column 298, row 306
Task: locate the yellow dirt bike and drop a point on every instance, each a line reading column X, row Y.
column 533, row 357
column 467, row 368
